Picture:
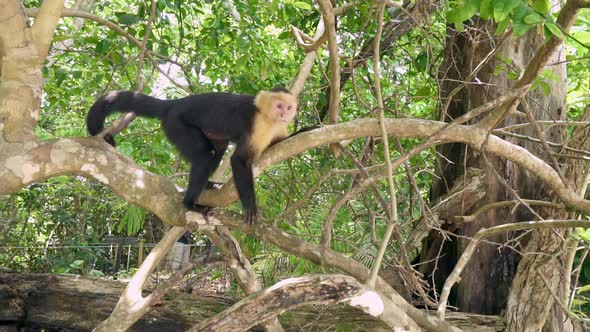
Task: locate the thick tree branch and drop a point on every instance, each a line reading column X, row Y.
column 240, row 265
column 12, row 25
column 93, row 157
column 45, row 23
column 407, row 128
column 312, row 289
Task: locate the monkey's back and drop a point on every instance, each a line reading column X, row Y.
column 225, row 115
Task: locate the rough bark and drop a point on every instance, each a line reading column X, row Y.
column 542, row 270
column 487, row 279
column 21, row 83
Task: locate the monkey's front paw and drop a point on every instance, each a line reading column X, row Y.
column 252, row 217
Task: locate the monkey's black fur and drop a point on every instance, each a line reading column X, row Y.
column 201, row 127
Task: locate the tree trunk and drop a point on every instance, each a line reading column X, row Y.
column 486, row 281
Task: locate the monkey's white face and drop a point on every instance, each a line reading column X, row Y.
column 284, row 109
column 278, row 107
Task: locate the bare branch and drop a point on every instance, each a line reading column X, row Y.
column 45, row 23
column 392, row 222
column 132, row 305
column 240, row 266
column 330, row 25
column 305, row 68
column 328, row 257
column 312, row 289
column 541, row 137
column 142, row 51
column 497, row 205
column 317, row 41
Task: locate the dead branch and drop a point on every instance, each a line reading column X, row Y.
column 312, row 289
column 132, row 305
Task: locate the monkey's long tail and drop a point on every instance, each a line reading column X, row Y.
column 123, row 101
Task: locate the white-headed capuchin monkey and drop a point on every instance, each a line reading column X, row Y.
column 201, row 127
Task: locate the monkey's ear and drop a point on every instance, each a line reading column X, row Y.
column 261, row 99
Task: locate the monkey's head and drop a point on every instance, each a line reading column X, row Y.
column 277, row 105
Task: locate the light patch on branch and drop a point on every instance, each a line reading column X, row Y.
column 61, row 150
column 102, row 159
column 93, row 170
column 139, row 174
column 23, row 168
column 370, row 302
column 198, row 222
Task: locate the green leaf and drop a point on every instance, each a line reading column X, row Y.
column 533, row 18
column 555, row 30
column 95, row 273
column 582, row 36
column 127, row 19
column 77, row 264
column 423, row 92
column 459, row 26
column 59, row 38
column 502, row 25
column 583, row 289
column 545, row 87
column 463, row 13
column 421, row 61
column 503, row 8
column 512, row 75
column 542, row 6
column 520, row 26
column 486, row 10
column 500, row 68
column 302, row 5
column 62, row 270
column 103, row 46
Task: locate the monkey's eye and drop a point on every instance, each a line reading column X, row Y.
column 289, row 108
column 280, row 106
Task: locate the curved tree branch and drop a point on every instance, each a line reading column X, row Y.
column 94, row 158
column 311, row 289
